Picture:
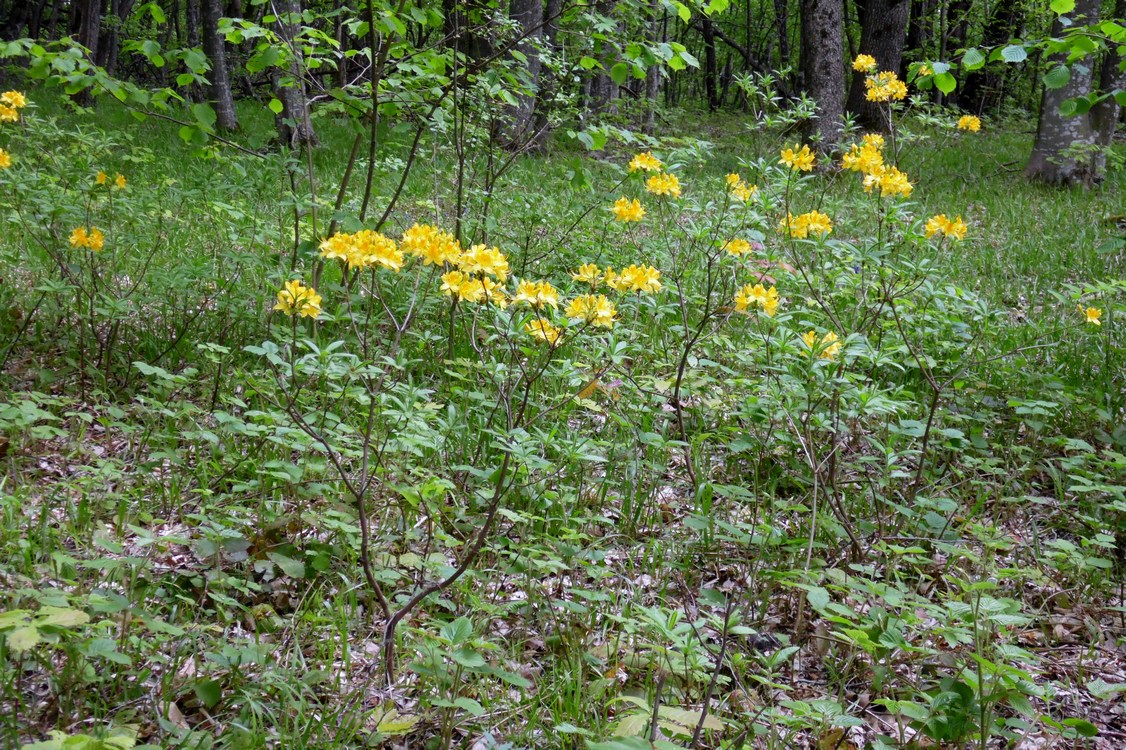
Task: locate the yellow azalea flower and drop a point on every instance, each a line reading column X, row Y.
column 638, row 279
column 536, row 293
column 451, row 283
column 801, row 160
column 430, row 243
column 9, row 114
column 13, row 99
column 543, row 330
column 363, row 250
column 733, row 179
column 890, row 182
column 100, row 178
column 925, row 70
column 971, row 123
column 626, row 210
column 5, row 159
column 756, row 295
column 594, row 309
column 885, row 87
column 939, row 224
column 663, row 184
column 829, row 344
column 482, row 290
column 1093, row 314
column 744, row 192
column 489, row 261
column 866, row 158
column 956, row 229
column 864, row 63
column 297, row 299
column 78, row 237
column 802, row 226
column 588, row 273
column 645, row 162
column 875, row 140
column 91, row 238
column 119, row 181
column 737, row 247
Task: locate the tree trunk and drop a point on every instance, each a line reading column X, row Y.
column 653, row 74
column 919, row 29
column 1105, row 114
column 822, row 58
column 981, row 89
column 782, row 18
column 883, row 30
column 225, row 116
column 110, row 43
column 519, row 129
column 711, row 71
column 293, row 123
column 1055, row 134
column 12, row 26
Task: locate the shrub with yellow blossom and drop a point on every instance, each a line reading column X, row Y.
column 756, row 295
column 864, row 63
column 536, row 293
column 885, row 86
column 800, row 227
column 828, row 347
column 799, row 160
column 91, row 238
column 595, row 309
column 1093, row 315
column 971, row 123
column 953, row 228
column 588, row 273
column 363, row 250
column 663, row 184
column 486, row 261
column 297, row 299
column 626, row 210
column 740, row 190
column 544, row 331
column 645, row 162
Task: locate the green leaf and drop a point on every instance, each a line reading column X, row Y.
column 619, row 73
column 292, row 568
column 62, row 617
column 622, row 743
column 1082, row 726
column 1060, row 7
column 1057, row 77
column 817, row 597
column 682, row 11
column 945, row 82
column 1014, row 53
column 588, row 63
column 470, row 706
column 276, row 106
column 457, row 631
column 21, row 639
column 468, row 658
column 973, row 59
column 209, row 692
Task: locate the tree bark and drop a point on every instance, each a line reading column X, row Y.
column 225, row 116
column 293, row 123
column 982, row 89
column 519, row 130
column 822, row 63
column 711, row 71
column 919, row 28
column 1056, row 134
column 883, row 30
column 1105, row 114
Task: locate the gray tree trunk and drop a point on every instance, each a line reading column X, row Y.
column 883, row 31
column 295, row 128
column 519, row 130
column 1056, row 134
column 221, row 95
column 822, row 64
column 1105, row 114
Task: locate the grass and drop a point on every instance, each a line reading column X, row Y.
column 788, row 543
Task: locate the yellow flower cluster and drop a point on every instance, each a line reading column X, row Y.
column 864, row 63
column 11, row 102
column 829, row 345
column 885, row 86
column 297, row 299
column 1093, row 314
column 625, row 210
column 537, row 294
column 952, row 228
column 663, row 184
column 634, row 279
column 737, row 247
column 463, row 286
column 5, row 159
column 867, row 158
column 755, row 295
column 889, row 180
column 363, row 250
column 740, row 190
column 487, row 261
column 645, row 162
column 430, row 243
column 588, row 273
column 801, row 160
column 971, row 123
column 593, row 308
column 925, row 70
column 92, row 238
column 544, row 331
column 800, row 227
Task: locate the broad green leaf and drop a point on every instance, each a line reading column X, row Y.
column 21, row 639
column 276, row 106
column 292, row 568
column 457, row 631
column 1014, row 53
column 817, row 597
column 209, row 692
column 1060, row 7
column 973, row 59
column 619, row 73
column 588, row 63
column 945, row 82
column 470, row 706
column 1057, row 77
column 63, row 617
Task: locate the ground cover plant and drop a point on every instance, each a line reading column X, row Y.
column 708, row 438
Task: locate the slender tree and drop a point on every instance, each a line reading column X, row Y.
column 1105, row 114
column 520, row 127
column 293, row 123
column 883, row 30
column 822, row 58
column 213, row 46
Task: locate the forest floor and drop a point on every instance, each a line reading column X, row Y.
column 178, row 569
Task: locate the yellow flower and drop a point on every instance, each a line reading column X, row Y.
column 829, row 345
column 489, row 261
column 119, row 181
column 744, row 192
column 13, row 99
column 430, row 243
column 885, row 87
column 755, row 295
column 737, row 247
column 9, row 114
column 954, row 229
column 92, row 238
column 866, row 158
column 971, row 123
column 543, row 330
column 100, row 178
column 637, row 279
column 798, row 160
column 802, row 226
column 483, row 290
column 297, row 299
column 645, row 162
column 451, row 283
column 925, row 70
column 663, row 184
column 588, row 273
column 362, row 250
column 733, row 179
column 536, row 293
column 890, row 182
column 5, row 159
column 626, row 210
column 1093, row 314
column 875, row 140
column 864, row 63
column 594, row 309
